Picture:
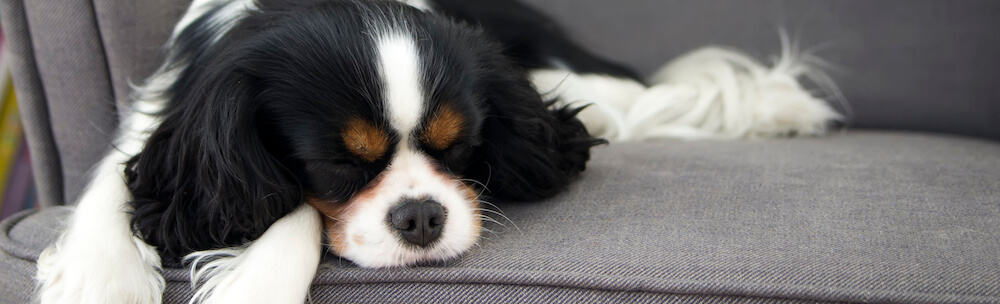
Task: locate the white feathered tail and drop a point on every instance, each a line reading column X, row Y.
column 710, row 93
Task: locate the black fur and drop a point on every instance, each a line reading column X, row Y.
column 251, row 128
column 529, row 152
column 532, row 39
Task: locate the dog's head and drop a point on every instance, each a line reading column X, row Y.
column 388, row 120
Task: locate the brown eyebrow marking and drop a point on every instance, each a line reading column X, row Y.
column 364, row 139
column 443, row 129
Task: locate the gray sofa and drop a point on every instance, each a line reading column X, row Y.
column 871, row 214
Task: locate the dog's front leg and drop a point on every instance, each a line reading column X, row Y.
column 276, row 268
column 97, row 259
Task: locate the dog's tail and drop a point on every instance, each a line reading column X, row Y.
column 710, row 93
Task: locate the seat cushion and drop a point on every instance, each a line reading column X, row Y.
column 855, row 217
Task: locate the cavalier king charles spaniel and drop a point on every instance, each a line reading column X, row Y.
column 277, row 126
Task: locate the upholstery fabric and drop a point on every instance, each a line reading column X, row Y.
column 46, row 165
column 857, row 217
column 860, row 217
column 71, row 64
column 926, row 65
column 133, row 34
column 902, row 64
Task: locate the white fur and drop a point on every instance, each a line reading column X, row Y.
column 399, row 64
column 97, row 259
column 410, row 175
column 710, row 93
column 278, row 267
column 419, row 4
column 605, row 94
column 152, row 91
column 222, row 21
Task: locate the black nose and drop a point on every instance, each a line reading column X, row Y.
column 418, row 221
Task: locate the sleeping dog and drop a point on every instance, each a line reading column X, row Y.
column 375, row 127
column 274, row 126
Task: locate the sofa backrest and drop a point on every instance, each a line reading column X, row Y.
column 925, row 65
column 928, row 65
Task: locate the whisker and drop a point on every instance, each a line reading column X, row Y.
column 490, row 204
column 485, row 216
column 475, row 182
column 491, row 220
column 500, row 213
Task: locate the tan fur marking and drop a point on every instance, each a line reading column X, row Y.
column 333, row 219
column 365, row 140
column 336, row 216
column 443, row 129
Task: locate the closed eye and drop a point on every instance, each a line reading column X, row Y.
column 457, row 158
column 337, row 179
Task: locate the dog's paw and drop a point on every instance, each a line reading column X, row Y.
column 239, row 275
column 78, row 274
column 278, row 267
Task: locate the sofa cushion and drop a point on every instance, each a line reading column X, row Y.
column 858, row 217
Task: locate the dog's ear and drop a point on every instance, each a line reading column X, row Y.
column 205, row 180
column 530, row 150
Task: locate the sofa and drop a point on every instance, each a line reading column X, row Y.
column 900, row 205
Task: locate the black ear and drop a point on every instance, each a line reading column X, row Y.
column 204, row 179
column 529, row 150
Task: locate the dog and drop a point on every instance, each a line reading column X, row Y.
column 378, row 128
column 275, row 126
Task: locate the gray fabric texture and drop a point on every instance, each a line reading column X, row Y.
column 73, row 71
column 506, row 293
column 863, row 217
column 46, row 167
column 860, row 217
column 903, row 64
column 926, row 65
column 133, row 46
column 16, row 283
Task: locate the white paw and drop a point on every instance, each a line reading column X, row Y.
column 99, row 274
column 244, row 276
column 276, row 268
column 228, row 279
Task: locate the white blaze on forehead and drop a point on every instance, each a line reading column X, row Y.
column 368, row 241
column 399, row 64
